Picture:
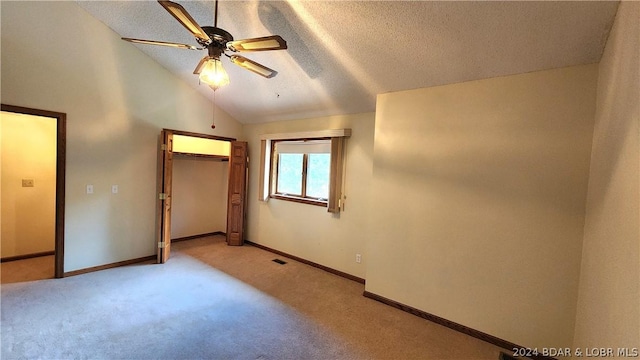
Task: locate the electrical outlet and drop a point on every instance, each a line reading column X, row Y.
column 114, row 189
column 27, row 182
column 89, row 189
column 358, row 258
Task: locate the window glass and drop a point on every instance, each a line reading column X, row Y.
column 318, row 169
column 290, row 174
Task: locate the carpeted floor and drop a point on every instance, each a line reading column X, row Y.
column 38, row 268
column 211, row 301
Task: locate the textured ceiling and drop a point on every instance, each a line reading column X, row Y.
column 342, row 53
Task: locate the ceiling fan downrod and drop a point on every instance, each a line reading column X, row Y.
column 215, row 15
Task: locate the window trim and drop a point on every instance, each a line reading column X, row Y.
column 273, row 178
column 297, row 199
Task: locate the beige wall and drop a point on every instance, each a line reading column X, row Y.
column 609, row 302
column 471, row 209
column 199, row 196
column 478, row 197
column 307, row 231
column 28, row 213
column 117, row 100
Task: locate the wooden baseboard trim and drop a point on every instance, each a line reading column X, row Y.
column 311, row 263
column 26, row 256
column 109, row 266
column 191, row 237
column 451, row 325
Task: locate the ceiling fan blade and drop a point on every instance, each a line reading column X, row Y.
column 201, row 65
column 266, row 43
column 163, row 43
column 253, row 66
column 185, row 19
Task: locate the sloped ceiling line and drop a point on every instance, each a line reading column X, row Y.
column 342, row 53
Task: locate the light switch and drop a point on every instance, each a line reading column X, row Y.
column 89, row 189
column 27, row 182
column 114, row 189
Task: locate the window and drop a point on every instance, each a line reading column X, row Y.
column 301, row 170
column 304, row 167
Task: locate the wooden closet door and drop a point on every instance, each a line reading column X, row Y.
column 165, row 175
column 237, row 193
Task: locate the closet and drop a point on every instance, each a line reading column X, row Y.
column 202, row 183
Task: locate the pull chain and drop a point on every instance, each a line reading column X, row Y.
column 213, row 123
column 215, row 25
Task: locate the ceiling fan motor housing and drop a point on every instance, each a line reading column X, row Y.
column 219, row 38
column 217, row 34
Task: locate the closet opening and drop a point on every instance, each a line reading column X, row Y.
column 201, row 188
column 33, row 186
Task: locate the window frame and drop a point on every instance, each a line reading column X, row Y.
column 338, row 163
column 273, row 177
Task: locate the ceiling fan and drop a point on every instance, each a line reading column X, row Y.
column 218, row 41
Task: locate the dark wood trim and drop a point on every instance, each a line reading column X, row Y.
column 305, row 163
column 61, row 156
column 29, row 111
column 299, row 200
column 450, row 324
column 191, row 237
column 27, row 256
column 311, row 263
column 111, row 266
column 303, row 139
column 204, row 156
column 204, row 136
column 60, row 194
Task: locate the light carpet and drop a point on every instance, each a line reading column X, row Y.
column 211, row 301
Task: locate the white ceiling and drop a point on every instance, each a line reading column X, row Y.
column 342, row 53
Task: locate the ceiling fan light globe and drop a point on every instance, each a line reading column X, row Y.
column 214, row 74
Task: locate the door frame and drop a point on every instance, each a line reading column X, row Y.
column 165, row 179
column 163, row 237
column 61, row 146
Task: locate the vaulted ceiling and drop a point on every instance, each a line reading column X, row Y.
column 342, row 53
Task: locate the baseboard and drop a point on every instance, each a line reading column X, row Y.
column 451, row 325
column 135, row 261
column 192, row 237
column 110, row 266
column 311, row 263
column 27, row 256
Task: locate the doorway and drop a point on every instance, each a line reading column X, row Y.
column 199, row 148
column 22, row 202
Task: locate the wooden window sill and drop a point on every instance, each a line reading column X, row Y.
column 299, row 200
